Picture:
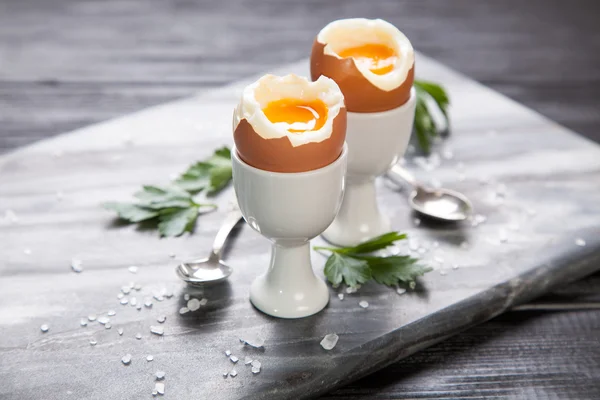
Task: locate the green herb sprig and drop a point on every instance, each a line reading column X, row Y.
column 174, row 208
column 357, row 265
column 429, row 94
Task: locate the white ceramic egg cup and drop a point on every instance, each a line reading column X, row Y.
column 375, row 142
column 289, row 209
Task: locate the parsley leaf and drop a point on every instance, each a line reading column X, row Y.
column 175, row 221
column 131, row 212
column 393, row 269
column 173, row 207
column 428, row 94
column 213, row 174
column 352, row 271
column 357, row 264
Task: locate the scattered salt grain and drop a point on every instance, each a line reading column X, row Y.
column 76, row 265
column 120, row 330
column 167, row 293
column 454, row 266
column 161, row 319
column 160, row 388
column 225, row 374
column 124, row 301
column 400, row 290
column 149, row 357
column 341, row 296
column 107, row 326
column 133, row 269
column 158, row 297
column 157, row 329
column 93, row 342
column 329, row 341
column 253, row 340
column 351, row 289
column 138, row 336
column 126, row 289
column 227, row 353
column 83, row 322
column 44, row 328
column 120, row 296
column 112, row 313
column 478, row 219
column 234, row 359
column 133, row 302
column 11, row 217
column 148, row 303
column 193, row 304
column 256, row 364
column 186, row 297
column 233, row 373
column 580, row 242
column 139, row 307
column 363, row 304
column 184, row 310
column 137, row 287
column 203, row 302
column 104, row 320
column 448, row 154
column 160, row 375
column 247, row 361
column 92, row 317
column 126, row 360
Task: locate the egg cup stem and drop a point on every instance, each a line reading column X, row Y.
column 375, row 142
column 359, row 218
column 289, row 288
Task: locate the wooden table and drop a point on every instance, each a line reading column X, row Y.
column 67, row 64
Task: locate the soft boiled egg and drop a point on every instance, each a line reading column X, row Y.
column 290, row 124
column 371, row 61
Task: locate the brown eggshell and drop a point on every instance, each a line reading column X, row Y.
column 360, row 95
column 278, row 155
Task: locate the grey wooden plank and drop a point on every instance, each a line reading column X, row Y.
column 156, row 46
column 98, row 163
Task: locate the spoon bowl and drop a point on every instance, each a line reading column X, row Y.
column 211, row 269
column 202, row 272
column 442, row 204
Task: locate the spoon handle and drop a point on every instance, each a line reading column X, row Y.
column 398, row 174
column 232, row 219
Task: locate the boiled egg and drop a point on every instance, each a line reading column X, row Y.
column 371, row 61
column 290, row 124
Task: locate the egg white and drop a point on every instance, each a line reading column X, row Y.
column 354, row 32
column 270, row 88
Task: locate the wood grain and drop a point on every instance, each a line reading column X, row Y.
column 101, row 59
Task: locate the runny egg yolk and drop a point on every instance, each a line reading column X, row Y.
column 378, row 58
column 301, row 115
